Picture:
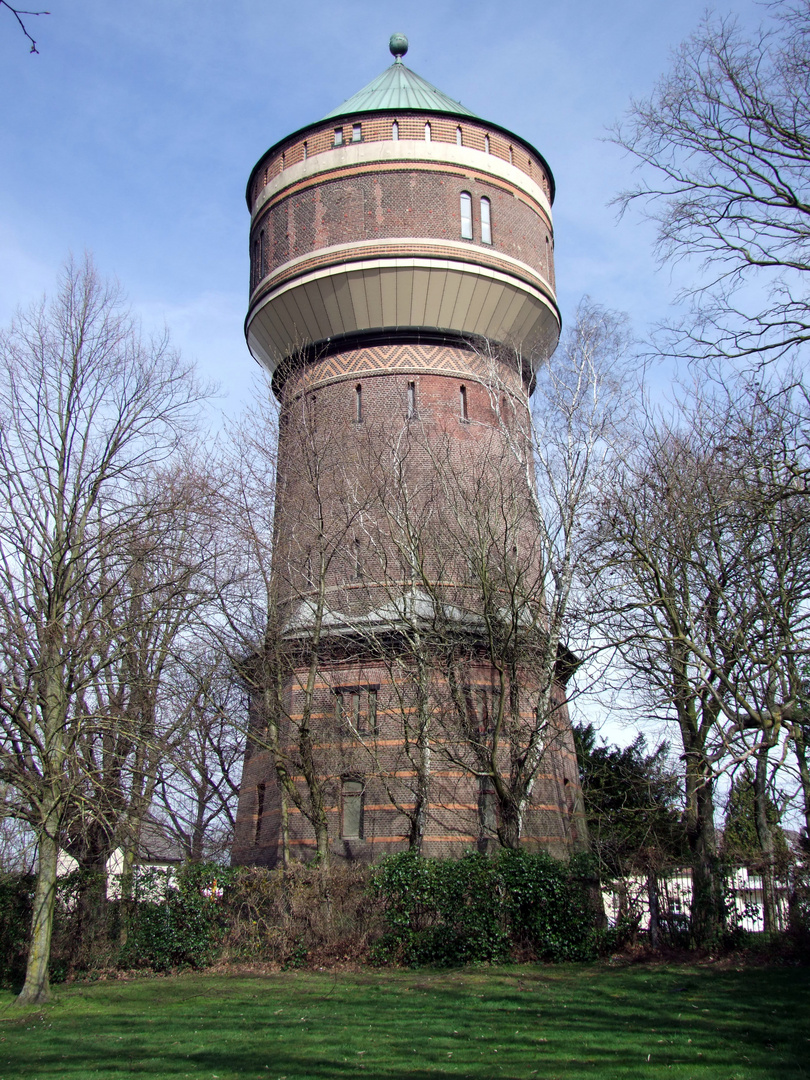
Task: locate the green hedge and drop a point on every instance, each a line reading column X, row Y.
column 486, row 908
column 173, row 923
column 16, row 901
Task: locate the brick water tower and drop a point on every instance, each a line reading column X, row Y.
column 401, row 296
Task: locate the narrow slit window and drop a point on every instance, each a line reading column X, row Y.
column 283, row 158
column 462, row 393
column 486, row 144
column 305, row 149
column 339, row 136
column 357, row 132
column 352, row 810
column 358, row 404
column 395, row 131
column 411, row 399
column 358, row 564
column 260, row 790
column 261, row 255
column 427, row 132
column 486, row 222
column 466, row 216
column 459, row 137
column 372, row 710
column 511, row 156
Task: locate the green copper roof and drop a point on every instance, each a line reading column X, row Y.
column 399, row 88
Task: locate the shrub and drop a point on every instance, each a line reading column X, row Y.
column 481, row 909
column 16, row 898
column 178, row 921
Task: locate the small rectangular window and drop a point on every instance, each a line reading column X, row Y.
column 466, row 216
column 411, row 399
column 351, row 826
column 357, row 132
column 486, row 222
column 339, row 136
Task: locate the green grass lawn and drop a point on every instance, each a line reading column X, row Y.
column 571, row 1021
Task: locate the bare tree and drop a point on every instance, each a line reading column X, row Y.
column 724, row 159
column 705, row 563
column 198, row 775
column 87, row 408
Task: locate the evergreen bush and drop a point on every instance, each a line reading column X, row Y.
column 483, row 908
column 179, row 919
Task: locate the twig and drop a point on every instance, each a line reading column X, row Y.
column 18, row 13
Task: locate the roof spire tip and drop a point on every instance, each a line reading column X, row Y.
column 398, row 46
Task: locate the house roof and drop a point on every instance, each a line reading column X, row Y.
column 399, row 88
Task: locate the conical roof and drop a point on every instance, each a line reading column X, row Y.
column 399, row 88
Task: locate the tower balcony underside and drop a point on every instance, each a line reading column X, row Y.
column 298, row 308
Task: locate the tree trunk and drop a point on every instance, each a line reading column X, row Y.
column 37, row 989
column 655, row 912
column 706, row 919
column 764, row 839
column 285, row 828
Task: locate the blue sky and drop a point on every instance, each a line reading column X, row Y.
column 133, row 132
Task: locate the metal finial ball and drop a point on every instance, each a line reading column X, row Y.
column 398, row 45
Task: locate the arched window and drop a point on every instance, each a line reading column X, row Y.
column 459, row 137
column 466, row 216
column 486, row 144
column 427, row 132
column 358, row 404
column 395, row 131
column 486, row 222
column 462, row 393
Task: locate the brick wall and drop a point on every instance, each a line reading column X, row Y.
column 319, row 139
column 378, row 203
column 459, row 814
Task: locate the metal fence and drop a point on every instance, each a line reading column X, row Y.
column 630, row 898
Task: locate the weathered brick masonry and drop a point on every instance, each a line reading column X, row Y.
column 402, row 287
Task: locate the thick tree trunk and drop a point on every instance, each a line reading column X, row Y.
column 36, row 989
column 764, row 839
column 800, row 750
column 707, row 902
